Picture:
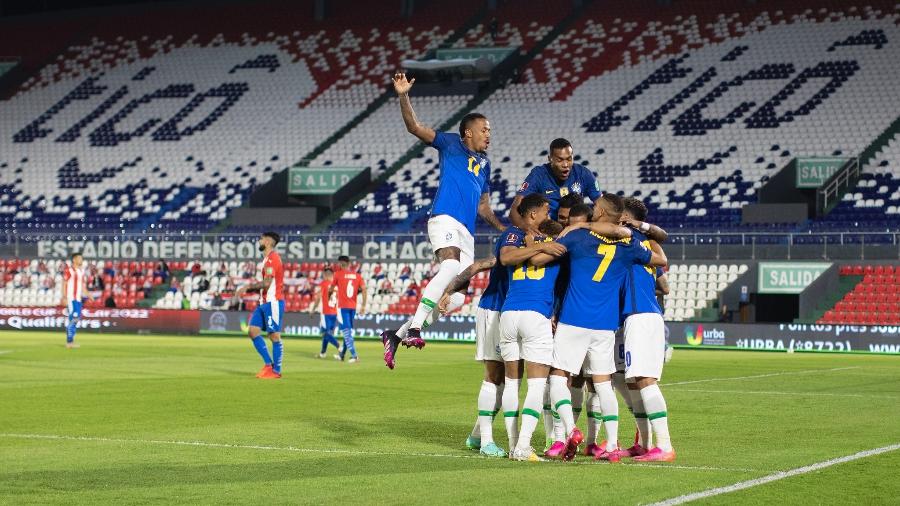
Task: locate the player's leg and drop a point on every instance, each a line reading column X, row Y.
column 347, row 316
column 274, row 324
column 74, row 309
column 644, row 437
column 537, row 350
column 511, row 351
column 257, row 323
column 491, row 391
column 601, row 358
column 576, row 391
column 593, row 418
column 645, row 358
column 570, row 347
column 328, row 324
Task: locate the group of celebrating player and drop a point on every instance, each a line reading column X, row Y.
column 563, row 280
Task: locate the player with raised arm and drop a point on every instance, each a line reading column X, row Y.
column 348, row 285
column 556, row 179
column 269, row 315
column 72, row 296
column 487, row 347
column 463, row 192
column 329, row 319
column 526, row 332
column 589, row 317
column 645, row 345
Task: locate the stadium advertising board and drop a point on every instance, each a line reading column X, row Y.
column 166, row 321
column 453, row 328
column 495, row 54
column 813, row 172
column 785, row 336
column 788, row 277
column 292, row 248
column 319, row 181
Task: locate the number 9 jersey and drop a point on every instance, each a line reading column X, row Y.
column 530, row 288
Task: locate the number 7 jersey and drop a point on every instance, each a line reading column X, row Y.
column 530, row 288
column 599, row 268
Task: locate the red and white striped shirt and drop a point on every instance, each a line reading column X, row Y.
column 271, row 268
column 74, row 286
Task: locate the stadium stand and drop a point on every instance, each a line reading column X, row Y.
column 25, row 282
column 685, row 138
column 697, row 286
column 875, row 300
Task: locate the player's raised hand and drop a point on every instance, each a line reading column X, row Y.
column 401, row 84
column 553, row 248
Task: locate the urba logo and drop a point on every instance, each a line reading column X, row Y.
column 694, row 335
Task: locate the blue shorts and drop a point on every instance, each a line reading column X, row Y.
column 269, row 316
column 328, row 322
column 74, row 310
column 347, row 316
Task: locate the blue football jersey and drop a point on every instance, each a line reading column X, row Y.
column 495, row 293
column 639, row 295
column 465, row 175
column 599, row 267
column 530, row 288
column 541, row 180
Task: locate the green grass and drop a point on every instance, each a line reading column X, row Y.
column 131, row 396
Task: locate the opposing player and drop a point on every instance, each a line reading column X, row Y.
column 526, row 332
column 326, row 302
column 487, row 347
column 559, row 177
column 645, row 343
column 72, row 296
column 348, row 285
column 463, row 192
column 269, row 315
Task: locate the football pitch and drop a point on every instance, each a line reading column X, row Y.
column 130, row 419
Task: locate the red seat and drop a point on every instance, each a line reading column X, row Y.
column 857, row 270
column 846, row 270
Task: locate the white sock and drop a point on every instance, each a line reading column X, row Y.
column 640, row 418
column 487, row 399
column 577, row 394
column 531, row 411
column 432, row 293
column 618, row 382
column 549, row 419
column 402, row 331
column 510, row 406
column 655, row 405
column 562, row 403
column 593, row 417
column 609, row 409
column 476, row 430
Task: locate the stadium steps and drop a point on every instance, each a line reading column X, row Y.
column 376, row 104
column 183, row 197
column 879, row 143
column 846, row 284
column 159, row 291
column 497, row 81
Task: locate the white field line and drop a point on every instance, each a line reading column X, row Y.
column 780, row 475
column 205, row 444
column 769, row 375
column 791, row 394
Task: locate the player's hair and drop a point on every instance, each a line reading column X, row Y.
column 328, row 269
column 467, row 120
column 344, row 258
column 529, row 202
column 571, row 200
column 76, row 254
column 637, row 208
column 559, row 143
column 581, row 209
column 550, row 228
column 272, row 235
column 614, row 203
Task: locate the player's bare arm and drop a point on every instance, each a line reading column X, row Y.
column 402, row 86
column 651, row 231
column 514, row 217
column 548, row 252
column 610, row 230
column 365, row 299
column 512, row 255
column 662, row 285
column 461, row 281
column 658, row 256
column 487, row 214
column 253, row 287
column 317, row 299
